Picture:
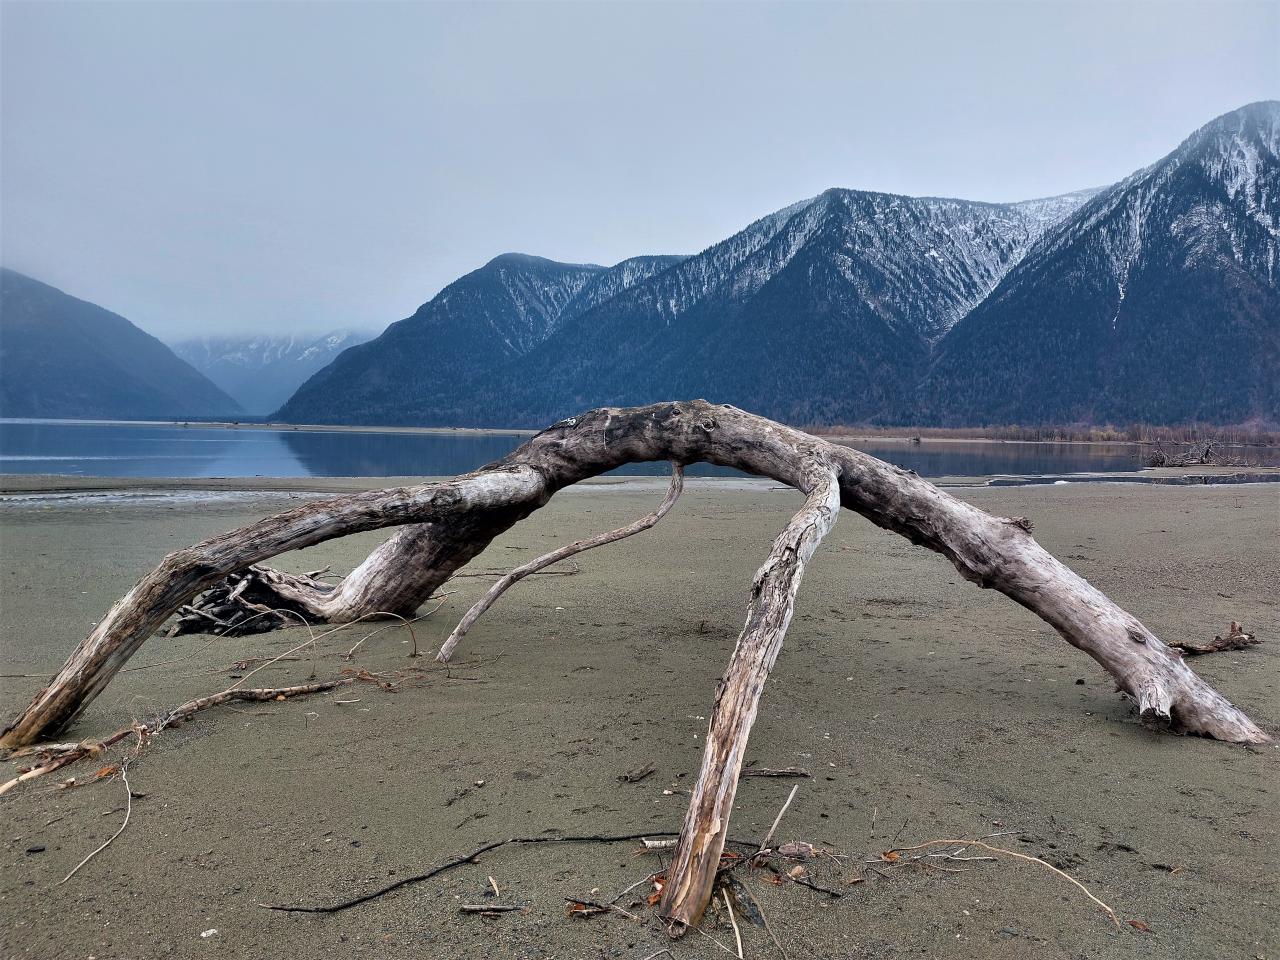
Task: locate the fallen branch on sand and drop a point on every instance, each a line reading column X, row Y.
column 128, row 812
column 490, row 908
column 1236, row 639
column 893, row 856
column 457, row 862
column 729, row 886
column 55, row 756
column 780, row 773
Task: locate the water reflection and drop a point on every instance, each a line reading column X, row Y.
column 348, row 454
column 959, row 458
column 174, row 450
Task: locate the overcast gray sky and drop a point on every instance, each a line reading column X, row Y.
column 230, row 167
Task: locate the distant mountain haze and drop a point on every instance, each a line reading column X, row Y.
column 1152, row 300
column 262, row 372
column 66, row 358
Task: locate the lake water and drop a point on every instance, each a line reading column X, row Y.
column 85, row 448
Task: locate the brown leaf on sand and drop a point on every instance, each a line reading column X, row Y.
column 891, row 856
column 1139, row 925
column 797, row 871
column 659, row 881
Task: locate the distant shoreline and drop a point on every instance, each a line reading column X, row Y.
column 277, row 427
column 28, row 485
column 834, row 434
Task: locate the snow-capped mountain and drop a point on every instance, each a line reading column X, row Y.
column 1154, row 299
column 261, row 372
column 492, row 316
column 1158, row 300
column 873, row 280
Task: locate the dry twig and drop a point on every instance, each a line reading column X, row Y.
column 778, row 819
column 451, row 864
column 128, row 812
column 563, row 553
column 59, row 755
column 733, row 922
column 1020, row 856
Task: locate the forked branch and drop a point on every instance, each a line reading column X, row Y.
column 555, row 556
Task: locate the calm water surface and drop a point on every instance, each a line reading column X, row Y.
column 172, row 450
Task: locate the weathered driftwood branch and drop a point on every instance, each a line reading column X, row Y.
column 1236, row 639
column 447, row 524
column 691, row 877
column 555, row 556
column 55, row 756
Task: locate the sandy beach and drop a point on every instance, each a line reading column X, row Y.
column 924, row 708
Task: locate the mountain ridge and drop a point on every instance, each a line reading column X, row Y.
column 64, row 357
column 648, row 333
column 1155, row 299
column 1151, row 303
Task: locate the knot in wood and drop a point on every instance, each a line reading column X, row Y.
column 1022, row 523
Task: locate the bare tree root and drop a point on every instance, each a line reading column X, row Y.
column 250, row 602
column 445, row 525
column 555, row 556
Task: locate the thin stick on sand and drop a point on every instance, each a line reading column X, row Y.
column 128, row 811
column 737, row 934
column 777, row 820
column 1020, row 856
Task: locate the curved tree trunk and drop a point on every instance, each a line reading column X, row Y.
column 447, row 524
column 450, row 522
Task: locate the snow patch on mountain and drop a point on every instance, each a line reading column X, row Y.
column 262, row 371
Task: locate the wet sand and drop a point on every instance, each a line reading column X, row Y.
column 924, row 707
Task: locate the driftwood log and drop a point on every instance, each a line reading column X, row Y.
column 447, row 524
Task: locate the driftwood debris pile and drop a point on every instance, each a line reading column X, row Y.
column 1205, row 453
column 247, row 602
